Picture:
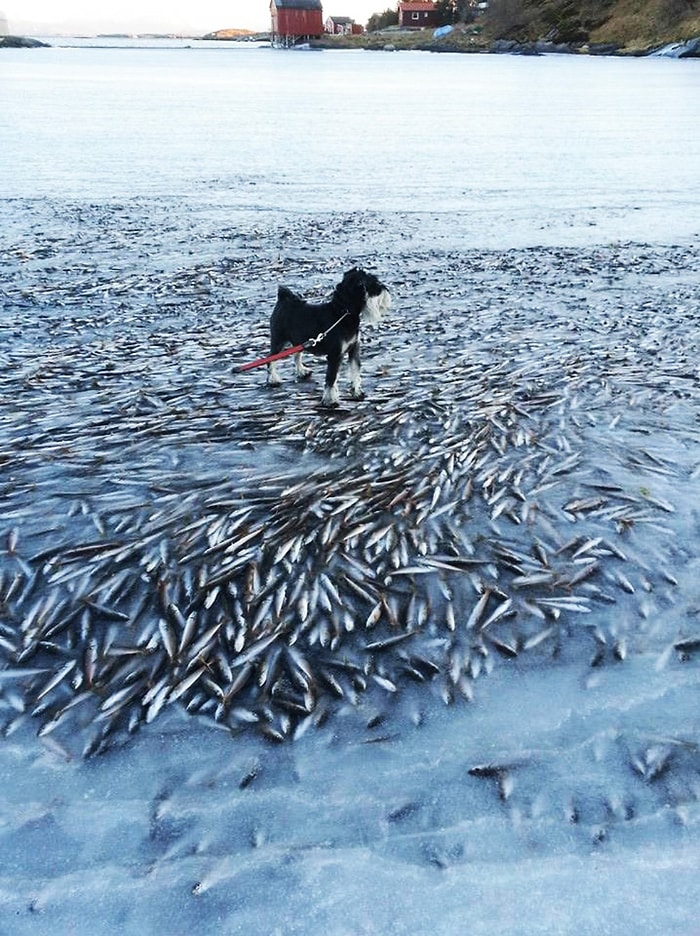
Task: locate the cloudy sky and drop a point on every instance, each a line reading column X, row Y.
column 155, row 15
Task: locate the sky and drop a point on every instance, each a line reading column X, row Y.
column 198, row 16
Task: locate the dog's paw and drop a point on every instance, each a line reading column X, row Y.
column 330, row 398
column 357, row 395
column 304, row 373
column 273, row 375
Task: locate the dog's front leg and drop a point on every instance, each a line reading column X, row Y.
column 354, row 372
column 330, row 396
column 303, row 372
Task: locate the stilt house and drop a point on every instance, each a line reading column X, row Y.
column 295, row 21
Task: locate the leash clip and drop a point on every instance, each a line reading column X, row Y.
column 312, row 342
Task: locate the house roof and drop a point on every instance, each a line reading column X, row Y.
column 417, row 6
column 341, row 20
column 298, row 4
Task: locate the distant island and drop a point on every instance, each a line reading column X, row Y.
column 245, row 35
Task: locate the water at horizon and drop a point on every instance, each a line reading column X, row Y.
column 526, row 150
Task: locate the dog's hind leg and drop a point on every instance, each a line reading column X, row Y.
column 354, row 372
column 273, row 375
column 303, row 372
column 330, row 396
column 276, row 345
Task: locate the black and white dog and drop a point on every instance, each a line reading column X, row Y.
column 359, row 296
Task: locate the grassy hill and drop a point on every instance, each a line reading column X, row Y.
column 627, row 23
column 630, row 25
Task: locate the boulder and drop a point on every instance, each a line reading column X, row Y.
column 603, row 48
column 21, row 42
column 692, row 49
column 688, row 49
column 553, row 48
column 501, row 46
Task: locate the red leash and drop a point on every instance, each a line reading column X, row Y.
column 306, row 346
column 275, row 357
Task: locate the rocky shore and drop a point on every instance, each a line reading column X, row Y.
column 21, row 42
column 458, row 41
column 688, row 49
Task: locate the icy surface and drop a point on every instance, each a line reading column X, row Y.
column 523, row 767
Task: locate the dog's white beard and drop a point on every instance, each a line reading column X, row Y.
column 376, row 306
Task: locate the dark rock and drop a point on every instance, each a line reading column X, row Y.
column 540, row 47
column 603, row 48
column 546, row 47
column 21, row 42
column 691, row 49
column 678, row 50
column 501, row 46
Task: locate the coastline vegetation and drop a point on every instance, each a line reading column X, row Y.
column 626, row 23
column 631, row 26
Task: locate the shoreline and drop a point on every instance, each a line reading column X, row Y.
column 456, row 42
column 460, row 42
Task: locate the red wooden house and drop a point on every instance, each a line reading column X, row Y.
column 295, row 21
column 339, row 25
column 418, row 14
